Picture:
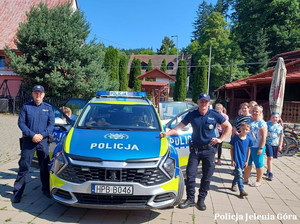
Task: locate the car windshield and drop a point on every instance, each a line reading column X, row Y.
column 118, row 117
column 168, row 110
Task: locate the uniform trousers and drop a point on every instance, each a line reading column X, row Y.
column 208, row 167
column 27, row 153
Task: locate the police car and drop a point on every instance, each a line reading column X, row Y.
column 113, row 157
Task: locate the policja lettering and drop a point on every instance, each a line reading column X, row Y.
column 114, row 146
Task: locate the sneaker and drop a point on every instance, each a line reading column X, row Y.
column 47, row 194
column 243, row 193
column 270, row 177
column 234, row 188
column 266, row 173
column 219, row 162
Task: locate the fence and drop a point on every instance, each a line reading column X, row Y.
column 15, row 104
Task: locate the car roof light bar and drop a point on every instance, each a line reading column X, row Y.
column 121, row 94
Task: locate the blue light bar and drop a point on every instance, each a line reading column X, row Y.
column 121, row 94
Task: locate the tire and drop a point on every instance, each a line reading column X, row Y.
column 180, row 189
column 289, row 146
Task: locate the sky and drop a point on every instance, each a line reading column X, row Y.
column 131, row 24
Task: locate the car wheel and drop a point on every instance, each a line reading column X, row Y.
column 180, row 189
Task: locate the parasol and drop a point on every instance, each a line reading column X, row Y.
column 277, row 87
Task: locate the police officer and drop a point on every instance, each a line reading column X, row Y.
column 203, row 122
column 36, row 121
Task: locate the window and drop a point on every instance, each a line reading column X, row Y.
column 170, row 66
column 144, row 65
column 2, row 61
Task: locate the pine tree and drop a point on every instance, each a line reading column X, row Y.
column 163, row 65
column 181, row 81
column 55, row 54
column 167, row 47
column 150, row 66
column 135, row 70
column 123, row 72
column 111, row 64
column 200, row 80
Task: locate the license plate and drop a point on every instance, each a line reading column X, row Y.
column 111, row 189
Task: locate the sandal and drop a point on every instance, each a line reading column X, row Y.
column 256, row 184
column 246, row 182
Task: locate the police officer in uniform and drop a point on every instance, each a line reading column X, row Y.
column 36, row 121
column 202, row 147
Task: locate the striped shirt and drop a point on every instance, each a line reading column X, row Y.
column 239, row 120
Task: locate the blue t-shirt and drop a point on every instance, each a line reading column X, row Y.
column 203, row 125
column 240, row 149
column 274, row 132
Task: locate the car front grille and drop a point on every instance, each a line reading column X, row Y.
column 112, row 200
column 144, row 176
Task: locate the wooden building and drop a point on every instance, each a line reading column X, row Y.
column 257, row 88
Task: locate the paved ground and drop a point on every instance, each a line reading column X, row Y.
column 274, row 202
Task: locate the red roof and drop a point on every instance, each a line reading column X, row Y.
column 156, row 73
column 13, row 12
column 293, row 75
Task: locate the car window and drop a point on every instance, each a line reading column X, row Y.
column 169, row 110
column 76, row 105
column 60, row 117
column 117, row 116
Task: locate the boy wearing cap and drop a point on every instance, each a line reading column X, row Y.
column 274, row 142
column 36, row 121
column 203, row 121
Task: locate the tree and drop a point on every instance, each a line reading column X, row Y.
column 111, row 64
column 200, row 80
column 163, row 65
column 181, row 81
column 150, row 66
column 123, row 62
column 55, row 54
column 147, row 52
column 167, row 47
column 276, row 21
column 135, row 70
column 199, row 25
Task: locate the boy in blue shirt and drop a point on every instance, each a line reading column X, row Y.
column 274, row 142
column 240, row 153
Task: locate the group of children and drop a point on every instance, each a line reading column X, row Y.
column 241, row 144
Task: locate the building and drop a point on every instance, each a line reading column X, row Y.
column 12, row 13
column 157, row 83
column 157, row 60
column 257, row 88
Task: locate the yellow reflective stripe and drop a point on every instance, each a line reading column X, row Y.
column 183, row 161
column 172, row 185
column 163, row 146
column 68, row 141
column 120, row 102
column 55, row 181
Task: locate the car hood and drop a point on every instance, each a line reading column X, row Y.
column 115, row 145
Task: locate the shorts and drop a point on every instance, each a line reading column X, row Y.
column 272, row 151
column 257, row 159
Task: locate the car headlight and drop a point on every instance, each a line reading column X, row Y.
column 59, row 162
column 169, row 166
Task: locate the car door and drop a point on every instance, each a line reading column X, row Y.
column 181, row 141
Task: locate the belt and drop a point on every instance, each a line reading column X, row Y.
column 201, row 147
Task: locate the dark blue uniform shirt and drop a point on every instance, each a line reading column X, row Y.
column 35, row 119
column 203, row 125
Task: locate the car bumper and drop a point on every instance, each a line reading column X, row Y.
column 143, row 197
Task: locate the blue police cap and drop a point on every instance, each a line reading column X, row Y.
column 38, row 88
column 204, row 96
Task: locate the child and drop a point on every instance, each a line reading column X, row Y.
column 274, row 142
column 220, row 109
column 240, row 153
